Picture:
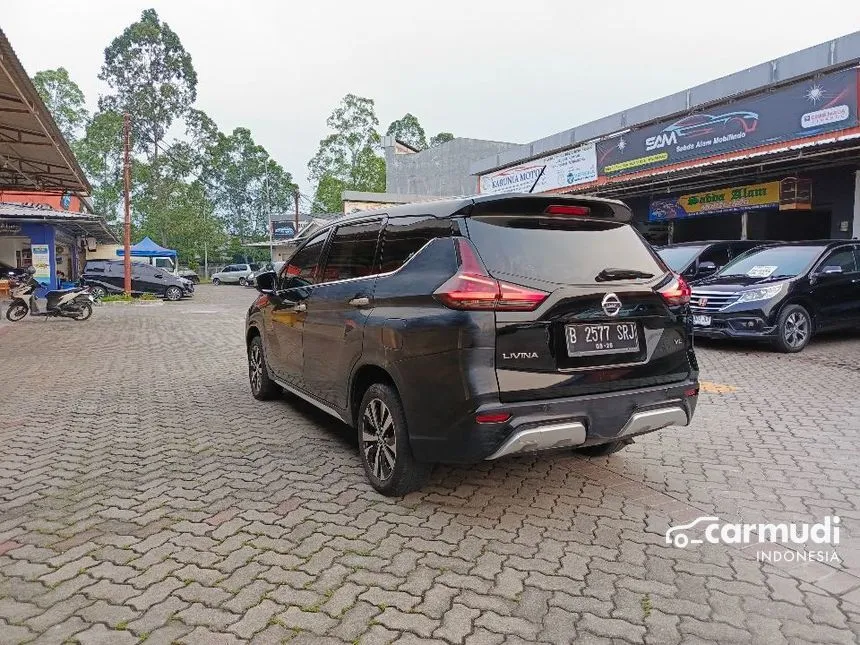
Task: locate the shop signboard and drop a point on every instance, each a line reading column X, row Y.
column 724, row 200
column 8, row 228
column 283, row 230
column 41, row 259
column 560, row 170
column 800, row 110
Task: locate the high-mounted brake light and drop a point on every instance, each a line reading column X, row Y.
column 473, row 288
column 677, row 292
column 564, row 209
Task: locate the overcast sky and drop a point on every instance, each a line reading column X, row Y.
column 507, row 70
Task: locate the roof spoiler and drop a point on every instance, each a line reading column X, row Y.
column 549, row 206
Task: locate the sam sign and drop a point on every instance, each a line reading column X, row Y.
column 283, row 230
column 724, row 200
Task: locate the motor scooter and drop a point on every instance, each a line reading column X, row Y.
column 76, row 303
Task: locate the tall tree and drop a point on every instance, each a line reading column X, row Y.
column 348, row 156
column 100, row 155
column 152, row 78
column 248, row 184
column 442, row 137
column 64, row 99
column 408, row 130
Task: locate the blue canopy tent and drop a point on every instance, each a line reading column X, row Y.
column 146, row 248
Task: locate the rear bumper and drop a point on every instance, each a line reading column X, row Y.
column 561, row 423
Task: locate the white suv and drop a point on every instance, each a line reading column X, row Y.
column 234, row 273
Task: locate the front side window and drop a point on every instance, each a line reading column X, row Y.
column 352, row 252
column 843, row 258
column 301, row 270
column 773, row 262
column 164, row 263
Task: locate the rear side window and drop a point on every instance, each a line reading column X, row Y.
column 302, row 268
column 352, row 252
column 559, row 250
column 404, row 237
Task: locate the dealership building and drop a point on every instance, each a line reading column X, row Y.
column 770, row 152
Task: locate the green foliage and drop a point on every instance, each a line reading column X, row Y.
column 409, row 131
column 348, row 157
column 442, row 137
column 64, row 99
column 152, row 78
column 100, row 155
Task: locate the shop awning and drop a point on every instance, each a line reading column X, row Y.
column 33, row 153
column 78, row 224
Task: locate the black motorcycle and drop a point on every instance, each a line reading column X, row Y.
column 76, row 303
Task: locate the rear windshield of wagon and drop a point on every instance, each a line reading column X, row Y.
column 559, row 250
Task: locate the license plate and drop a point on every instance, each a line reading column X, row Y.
column 702, row 321
column 601, row 338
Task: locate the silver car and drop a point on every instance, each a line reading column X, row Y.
column 234, row 274
column 269, row 267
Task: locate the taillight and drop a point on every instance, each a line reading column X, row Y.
column 473, row 288
column 677, row 292
column 493, row 417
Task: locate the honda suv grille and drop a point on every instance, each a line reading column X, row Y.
column 710, row 301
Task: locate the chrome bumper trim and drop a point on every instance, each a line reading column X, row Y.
column 649, row 420
column 560, row 435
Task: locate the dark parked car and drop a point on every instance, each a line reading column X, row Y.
column 783, row 293
column 107, row 276
column 462, row 330
column 7, row 271
column 697, row 260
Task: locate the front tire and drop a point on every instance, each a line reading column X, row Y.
column 85, row 311
column 262, row 387
column 243, row 282
column 794, row 329
column 173, row 294
column 383, row 443
column 16, row 311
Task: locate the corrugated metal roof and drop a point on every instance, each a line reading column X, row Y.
column 33, row 153
column 81, row 224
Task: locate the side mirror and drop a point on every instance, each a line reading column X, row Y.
column 706, row 268
column 831, row 270
column 265, row 282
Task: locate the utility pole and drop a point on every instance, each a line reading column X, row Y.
column 296, row 198
column 126, row 128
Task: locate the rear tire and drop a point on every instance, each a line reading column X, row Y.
column 383, row 444
column 603, row 449
column 216, row 281
column 85, row 311
column 262, row 387
column 794, row 329
column 98, row 292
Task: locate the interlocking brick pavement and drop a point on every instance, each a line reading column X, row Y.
column 146, row 497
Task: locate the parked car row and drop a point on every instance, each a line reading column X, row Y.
column 779, row 292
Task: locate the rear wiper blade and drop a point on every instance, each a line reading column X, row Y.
column 612, row 273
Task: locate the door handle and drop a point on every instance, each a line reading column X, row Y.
column 361, row 301
column 300, row 307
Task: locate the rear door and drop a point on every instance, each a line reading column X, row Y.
column 337, row 309
column 602, row 327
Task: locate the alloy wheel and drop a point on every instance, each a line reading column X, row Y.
column 255, row 368
column 796, row 329
column 379, row 440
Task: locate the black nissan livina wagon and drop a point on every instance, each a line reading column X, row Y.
column 469, row 329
